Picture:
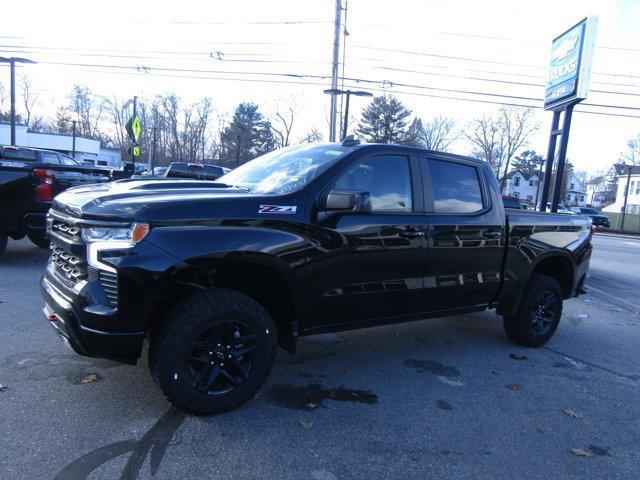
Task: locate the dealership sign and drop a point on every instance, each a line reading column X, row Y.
column 570, row 67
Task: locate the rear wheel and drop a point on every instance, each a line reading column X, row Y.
column 538, row 314
column 213, row 351
column 39, row 239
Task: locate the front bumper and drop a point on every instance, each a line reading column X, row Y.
column 65, row 318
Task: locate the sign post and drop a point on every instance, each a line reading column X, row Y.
column 568, row 85
column 134, row 129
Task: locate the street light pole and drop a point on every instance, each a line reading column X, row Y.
column 12, row 86
column 358, row 93
column 73, row 154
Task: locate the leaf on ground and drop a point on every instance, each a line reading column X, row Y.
column 516, row 356
column 312, row 405
column 514, row 386
column 573, row 414
column 2, row 387
column 92, row 377
column 306, row 424
column 22, row 362
column 333, row 394
column 578, row 452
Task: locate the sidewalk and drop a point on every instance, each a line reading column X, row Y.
column 630, row 235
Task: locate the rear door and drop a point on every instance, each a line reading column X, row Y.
column 369, row 266
column 466, row 234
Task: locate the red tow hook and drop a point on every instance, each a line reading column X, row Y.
column 52, row 318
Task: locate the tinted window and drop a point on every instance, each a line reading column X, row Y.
column 456, row 187
column 511, row 202
column 20, row 154
column 589, row 211
column 50, row 158
column 201, row 172
column 386, row 178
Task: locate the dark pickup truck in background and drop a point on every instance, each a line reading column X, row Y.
column 29, row 179
column 599, row 220
column 304, row 240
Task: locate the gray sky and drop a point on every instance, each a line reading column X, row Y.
column 176, row 41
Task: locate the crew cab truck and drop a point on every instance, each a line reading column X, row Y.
column 29, row 179
column 304, row 240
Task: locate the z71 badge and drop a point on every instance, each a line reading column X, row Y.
column 290, row 209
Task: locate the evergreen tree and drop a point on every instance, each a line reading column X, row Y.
column 528, row 162
column 384, row 121
column 248, row 136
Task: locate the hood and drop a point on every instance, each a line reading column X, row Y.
column 127, row 199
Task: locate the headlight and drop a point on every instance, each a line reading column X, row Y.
column 131, row 235
column 111, row 238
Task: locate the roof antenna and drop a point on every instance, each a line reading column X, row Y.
column 350, row 141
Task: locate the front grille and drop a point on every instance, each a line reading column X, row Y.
column 66, row 230
column 109, row 282
column 67, row 265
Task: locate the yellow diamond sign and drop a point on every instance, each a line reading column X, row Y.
column 134, row 128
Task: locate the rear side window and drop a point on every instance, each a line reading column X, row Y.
column 386, row 178
column 50, row 158
column 19, row 154
column 510, row 202
column 456, row 187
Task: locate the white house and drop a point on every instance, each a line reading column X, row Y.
column 576, row 191
column 595, row 196
column 521, row 186
column 87, row 150
column 633, row 201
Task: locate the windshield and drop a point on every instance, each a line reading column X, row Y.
column 590, row 211
column 286, row 170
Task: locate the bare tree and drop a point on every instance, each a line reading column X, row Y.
column 517, row 125
column 632, row 155
column 439, row 133
column 486, row 135
column 29, row 98
column 283, row 121
column 313, row 135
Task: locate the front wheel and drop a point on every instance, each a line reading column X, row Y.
column 213, row 351
column 39, row 239
column 538, row 314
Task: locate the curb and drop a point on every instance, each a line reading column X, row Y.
column 617, row 235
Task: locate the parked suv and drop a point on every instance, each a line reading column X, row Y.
column 599, row 220
column 308, row 239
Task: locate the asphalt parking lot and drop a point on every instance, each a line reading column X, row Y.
column 443, row 398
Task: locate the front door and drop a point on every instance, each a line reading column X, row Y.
column 369, row 266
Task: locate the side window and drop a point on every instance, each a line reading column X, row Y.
column 50, row 158
column 68, row 161
column 386, row 178
column 456, row 187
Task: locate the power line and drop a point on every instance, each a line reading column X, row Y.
column 386, row 90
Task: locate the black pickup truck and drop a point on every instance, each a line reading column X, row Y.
column 304, row 240
column 29, row 179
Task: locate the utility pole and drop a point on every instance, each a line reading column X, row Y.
column 73, row 145
column 12, row 86
column 238, row 151
column 626, row 197
column 153, row 150
column 334, row 72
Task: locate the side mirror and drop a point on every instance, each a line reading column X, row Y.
column 347, row 201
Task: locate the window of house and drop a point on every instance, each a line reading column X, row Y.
column 516, row 181
column 386, row 178
column 456, row 187
column 571, row 187
column 531, row 183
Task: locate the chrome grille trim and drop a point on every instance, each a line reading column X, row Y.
column 109, row 282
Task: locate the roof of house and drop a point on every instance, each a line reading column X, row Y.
column 513, row 172
column 622, row 169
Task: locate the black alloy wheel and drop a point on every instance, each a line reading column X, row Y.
column 221, row 358
column 543, row 316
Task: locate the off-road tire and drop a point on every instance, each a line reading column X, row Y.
column 39, row 239
column 521, row 328
column 172, row 340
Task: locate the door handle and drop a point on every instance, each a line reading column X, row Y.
column 491, row 234
column 412, row 234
